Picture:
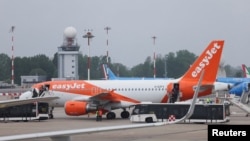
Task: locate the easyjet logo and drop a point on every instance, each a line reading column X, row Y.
column 206, row 60
column 68, row 86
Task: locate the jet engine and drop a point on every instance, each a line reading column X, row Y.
column 240, row 88
column 220, row 86
column 77, row 108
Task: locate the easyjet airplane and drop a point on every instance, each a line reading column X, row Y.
column 67, row 134
column 80, row 97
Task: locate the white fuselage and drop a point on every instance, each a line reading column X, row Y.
column 139, row 90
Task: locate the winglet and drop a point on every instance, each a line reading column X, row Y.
column 209, row 60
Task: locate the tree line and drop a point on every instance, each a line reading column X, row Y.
column 171, row 65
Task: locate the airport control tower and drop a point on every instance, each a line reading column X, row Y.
column 68, row 55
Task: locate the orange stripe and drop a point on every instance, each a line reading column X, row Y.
column 84, row 88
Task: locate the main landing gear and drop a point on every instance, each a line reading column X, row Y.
column 124, row 114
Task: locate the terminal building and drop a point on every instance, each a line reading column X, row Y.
column 29, row 80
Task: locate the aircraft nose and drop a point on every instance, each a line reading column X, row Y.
column 26, row 95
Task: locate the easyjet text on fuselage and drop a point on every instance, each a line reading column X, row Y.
column 68, row 86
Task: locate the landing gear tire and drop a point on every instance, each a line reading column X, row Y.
column 111, row 115
column 125, row 114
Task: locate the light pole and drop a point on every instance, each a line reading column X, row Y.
column 154, row 56
column 166, row 60
column 107, row 29
column 12, row 59
column 89, row 36
column 107, row 57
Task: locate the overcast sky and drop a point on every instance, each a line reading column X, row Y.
column 177, row 25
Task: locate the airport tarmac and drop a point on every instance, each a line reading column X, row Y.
column 173, row 132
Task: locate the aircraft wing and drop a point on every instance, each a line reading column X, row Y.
column 98, row 97
column 15, row 102
column 65, row 135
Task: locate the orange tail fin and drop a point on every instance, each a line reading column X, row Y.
column 209, row 61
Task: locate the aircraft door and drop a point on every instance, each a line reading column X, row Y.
column 175, row 93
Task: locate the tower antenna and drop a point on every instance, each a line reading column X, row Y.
column 89, row 36
column 107, row 57
column 12, row 59
column 154, row 38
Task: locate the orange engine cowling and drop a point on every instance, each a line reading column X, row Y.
column 76, row 108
